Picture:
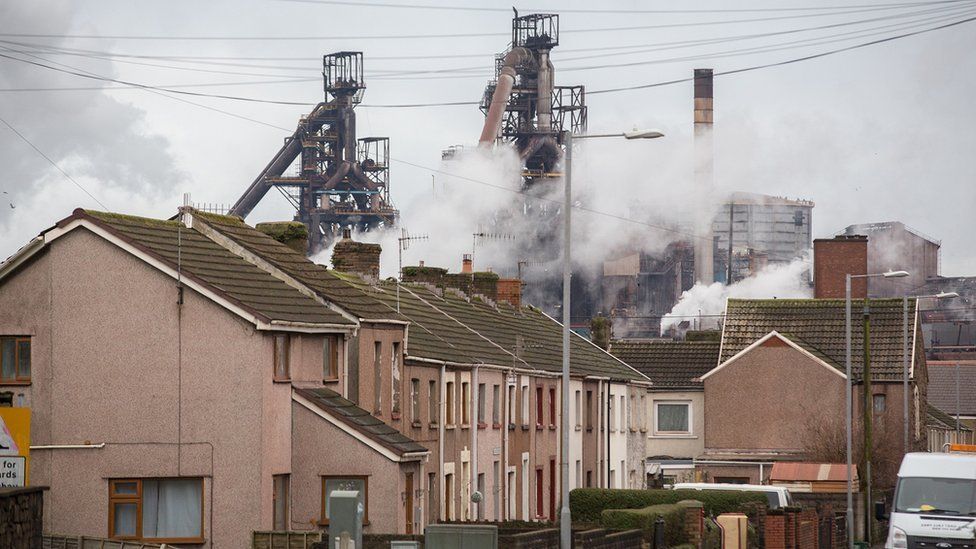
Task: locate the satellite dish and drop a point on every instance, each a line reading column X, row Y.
column 476, row 497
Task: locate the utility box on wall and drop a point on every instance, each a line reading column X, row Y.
column 734, row 530
column 458, row 536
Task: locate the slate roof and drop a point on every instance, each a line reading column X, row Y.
column 671, row 365
column 942, row 386
column 443, row 326
column 204, row 261
column 937, row 418
column 818, row 325
column 367, row 424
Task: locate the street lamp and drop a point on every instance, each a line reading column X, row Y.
column 850, row 398
column 565, row 519
column 904, row 352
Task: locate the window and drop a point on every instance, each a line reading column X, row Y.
column 539, row 406
column 672, row 418
column 732, row 480
column 165, row 509
column 449, row 496
column 465, row 403
column 395, row 380
column 525, row 406
column 481, row 489
column 511, row 405
column 15, row 360
column 377, row 378
column 552, row 406
column 589, row 411
column 633, row 412
column 482, row 402
column 449, row 408
column 279, row 506
column 623, row 417
column 611, row 417
column 643, row 414
column 496, row 395
column 589, row 479
column 879, row 403
column 432, row 497
column 415, row 400
column 357, row 483
column 282, row 371
column 433, row 416
column 330, row 359
column 579, row 412
column 539, row 501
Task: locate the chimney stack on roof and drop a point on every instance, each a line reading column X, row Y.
column 467, row 264
column 835, row 258
column 510, row 291
column 360, row 258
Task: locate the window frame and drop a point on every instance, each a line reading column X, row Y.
column 433, row 405
column 415, row 401
column 482, row 411
column 496, row 403
column 540, row 406
column 17, row 379
column 674, row 434
column 330, row 345
column 114, row 498
column 552, row 407
column 323, row 520
column 449, row 411
column 465, row 400
column 281, row 354
column 283, row 495
column 877, row 398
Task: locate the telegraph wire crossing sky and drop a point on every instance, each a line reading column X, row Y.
column 861, row 94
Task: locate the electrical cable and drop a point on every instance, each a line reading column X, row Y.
column 292, row 38
column 607, row 11
column 53, row 163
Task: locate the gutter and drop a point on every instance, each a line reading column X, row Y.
column 20, row 256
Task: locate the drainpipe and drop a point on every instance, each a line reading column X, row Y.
column 507, row 420
column 473, row 415
column 440, row 436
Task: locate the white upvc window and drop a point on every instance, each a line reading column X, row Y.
column 673, row 418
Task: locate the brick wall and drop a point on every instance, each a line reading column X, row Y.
column 833, row 259
column 775, row 530
column 21, row 516
column 807, row 531
column 361, row 258
column 510, row 291
column 694, row 521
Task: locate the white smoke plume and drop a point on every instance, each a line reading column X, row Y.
column 703, row 305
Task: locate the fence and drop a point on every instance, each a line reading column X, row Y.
column 284, row 540
column 54, row 541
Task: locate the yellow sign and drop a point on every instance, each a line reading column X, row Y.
column 14, row 446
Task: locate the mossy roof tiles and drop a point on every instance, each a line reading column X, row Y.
column 818, row 326
column 443, row 326
column 202, row 259
column 669, row 364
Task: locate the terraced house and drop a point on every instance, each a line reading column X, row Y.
column 194, row 379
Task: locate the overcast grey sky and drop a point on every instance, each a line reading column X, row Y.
column 874, row 134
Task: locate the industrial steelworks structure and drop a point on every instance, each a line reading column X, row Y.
column 339, row 181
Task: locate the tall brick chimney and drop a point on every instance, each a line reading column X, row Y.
column 510, row 291
column 704, row 178
column 361, row 258
column 466, row 264
column 833, row 259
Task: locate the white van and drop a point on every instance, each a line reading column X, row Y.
column 777, row 496
column 935, row 503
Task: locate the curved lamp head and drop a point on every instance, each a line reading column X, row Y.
column 946, row 295
column 895, row 274
column 643, row 134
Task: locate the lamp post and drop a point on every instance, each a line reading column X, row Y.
column 850, row 397
column 565, row 519
column 904, row 353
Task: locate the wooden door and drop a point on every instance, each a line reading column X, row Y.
column 409, row 489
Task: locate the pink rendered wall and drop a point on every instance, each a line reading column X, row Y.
column 109, row 366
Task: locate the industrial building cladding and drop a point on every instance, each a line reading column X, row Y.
column 342, row 181
column 892, row 245
column 765, row 229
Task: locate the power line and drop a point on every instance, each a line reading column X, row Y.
column 53, row 163
column 608, row 11
column 292, row 38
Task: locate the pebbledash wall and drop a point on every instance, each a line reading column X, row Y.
column 111, row 364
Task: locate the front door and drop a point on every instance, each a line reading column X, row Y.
column 409, row 489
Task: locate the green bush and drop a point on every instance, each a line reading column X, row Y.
column 643, row 519
column 586, row 504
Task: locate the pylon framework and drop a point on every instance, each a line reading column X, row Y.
column 339, row 181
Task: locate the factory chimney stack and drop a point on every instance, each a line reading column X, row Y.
column 704, row 179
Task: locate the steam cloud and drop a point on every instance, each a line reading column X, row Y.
column 703, row 305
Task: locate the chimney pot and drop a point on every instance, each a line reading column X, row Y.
column 346, row 233
column 466, row 264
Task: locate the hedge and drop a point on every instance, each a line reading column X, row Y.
column 643, row 519
column 586, row 504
